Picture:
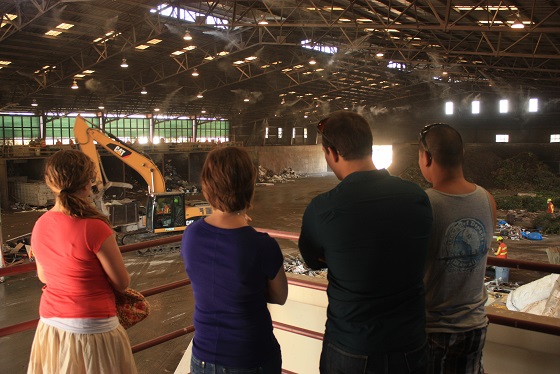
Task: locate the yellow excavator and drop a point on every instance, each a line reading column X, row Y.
column 165, row 211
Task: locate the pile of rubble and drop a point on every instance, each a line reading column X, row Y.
column 268, row 176
column 295, row 265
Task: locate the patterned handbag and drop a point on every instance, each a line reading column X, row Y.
column 132, row 307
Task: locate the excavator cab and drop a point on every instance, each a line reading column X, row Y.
column 168, row 211
column 165, row 212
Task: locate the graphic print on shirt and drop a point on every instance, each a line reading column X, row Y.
column 465, row 243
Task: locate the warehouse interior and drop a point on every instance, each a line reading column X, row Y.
column 262, row 74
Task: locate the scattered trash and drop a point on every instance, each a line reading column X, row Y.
column 268, row 176
column 510, row 231
column 295, row 265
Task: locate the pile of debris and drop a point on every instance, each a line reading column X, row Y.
column 295, row 265
column 268, row 176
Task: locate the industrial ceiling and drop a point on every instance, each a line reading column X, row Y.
column 254, row 59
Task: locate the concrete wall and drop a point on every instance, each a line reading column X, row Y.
column 302, row 159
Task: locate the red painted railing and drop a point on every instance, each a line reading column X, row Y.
column 533, row 325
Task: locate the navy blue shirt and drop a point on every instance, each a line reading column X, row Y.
column 229, row 269
column 371, row 232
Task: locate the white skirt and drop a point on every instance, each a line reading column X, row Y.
column 62, row 352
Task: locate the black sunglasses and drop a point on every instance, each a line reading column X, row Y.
column 321, row 125
column 321, row 130
column 425, row 131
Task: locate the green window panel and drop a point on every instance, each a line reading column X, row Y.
column 175, row 131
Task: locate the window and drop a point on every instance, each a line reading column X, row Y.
column 305, row 133
column 449, row 108
column 555, row 138
column 504, row 106
column 382, row 156
column 128, row 129
column 212, row 130
column 502, row 138
column 19, row 129
column 174, row 130
column 279, row 133
column 266, row 132
column 533, row 105
column 475, row 107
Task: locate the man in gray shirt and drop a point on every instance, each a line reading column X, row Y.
column 464, row 220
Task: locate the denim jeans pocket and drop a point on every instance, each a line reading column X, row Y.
column 199, row 366
column 339, row 361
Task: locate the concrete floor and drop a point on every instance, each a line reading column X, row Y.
column 278, row 207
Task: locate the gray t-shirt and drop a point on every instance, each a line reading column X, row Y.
column 456, row 262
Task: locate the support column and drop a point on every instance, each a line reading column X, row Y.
column 4, row 197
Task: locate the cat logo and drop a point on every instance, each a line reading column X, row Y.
column 122, row 152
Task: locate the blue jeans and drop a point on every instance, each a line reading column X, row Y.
column 272, row 366
column 334, row 360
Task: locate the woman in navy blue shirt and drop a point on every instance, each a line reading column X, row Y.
column 235, row 271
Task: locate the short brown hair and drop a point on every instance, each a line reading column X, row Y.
column 348, row 133
column 228, row 179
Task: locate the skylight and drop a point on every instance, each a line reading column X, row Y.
column 318, row 47
column 167, row 10
column 6, row 18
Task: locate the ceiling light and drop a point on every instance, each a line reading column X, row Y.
column 74, row 85
column 200, row 95
column 65, row 26
column 124, row 64
column 379, row 54
column 187, row 35
column 143, row 92
column 203, row 111
column 517, row 25
column 263, row 20
column 312, row 61
column 53, row 33
column 101, row 106
column 195, row 73
column 156, row 109
column 246, row 99
column 34, row 103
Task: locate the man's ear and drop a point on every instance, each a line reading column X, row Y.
column 426, row 158
column 334, row 153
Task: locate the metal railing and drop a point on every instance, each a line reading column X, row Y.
column 497, row 318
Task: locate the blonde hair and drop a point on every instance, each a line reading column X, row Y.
column 66, row 173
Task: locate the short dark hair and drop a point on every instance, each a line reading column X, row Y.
column 348, row 133
column 228, row 179
column 444, row 145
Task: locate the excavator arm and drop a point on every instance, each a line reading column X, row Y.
column 143, row 165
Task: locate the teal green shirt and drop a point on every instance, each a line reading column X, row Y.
column 372, row 233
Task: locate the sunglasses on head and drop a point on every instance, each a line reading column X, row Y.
column 321, row 130
column 423, row 134
column 321, row 125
